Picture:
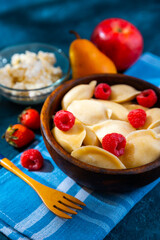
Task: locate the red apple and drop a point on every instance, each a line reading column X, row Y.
column 119, row 40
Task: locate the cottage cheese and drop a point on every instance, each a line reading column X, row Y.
column 30, row 71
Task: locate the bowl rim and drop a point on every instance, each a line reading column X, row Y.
column 55, row 49
column 46, row 132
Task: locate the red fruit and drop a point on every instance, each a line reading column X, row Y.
column 147, row 98
column 64, row 120
column 114, row 143
column 137, row 118
column 18, row 135
column 30, row 118
column 32, row 159
column 102, row 91
column 119, row 40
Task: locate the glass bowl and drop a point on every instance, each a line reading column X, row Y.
column 38, row 95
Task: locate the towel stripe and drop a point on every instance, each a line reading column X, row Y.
column 95, row 221
column 83, row 194
column 66, row 184
column 56, row 223
column 42, row 210
column 50, row 229
column 128, row 199
column 33, row 218
column 7, row 231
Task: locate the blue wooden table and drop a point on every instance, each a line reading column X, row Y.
column 49, row 22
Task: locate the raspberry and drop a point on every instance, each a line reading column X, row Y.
column 102, row 91
column 64, row 120
column 32, row 159
column 114, row 143
column 147, row 98
column 137, row 118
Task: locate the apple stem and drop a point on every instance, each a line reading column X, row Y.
column 118, row 29
column 75, row 33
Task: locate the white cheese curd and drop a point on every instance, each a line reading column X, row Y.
column 30, row 71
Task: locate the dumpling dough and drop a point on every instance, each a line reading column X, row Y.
column 118, row 111
column 155, row 126
column 97, row 157
column 153, row 115
column 82, row 91
column 131, row 106
column 89, row 112
column 123, row 93
column 90, row 138
column 142, row 147
column 112, row 126
column 72, row 138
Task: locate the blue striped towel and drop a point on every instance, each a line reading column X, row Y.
column 24, row 216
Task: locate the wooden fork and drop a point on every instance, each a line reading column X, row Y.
column 57, row 201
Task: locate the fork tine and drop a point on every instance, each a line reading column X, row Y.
column 62, row 207
column 74, row 200
column 59, row 213
column 70, row 204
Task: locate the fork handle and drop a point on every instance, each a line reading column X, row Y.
column 4, row 162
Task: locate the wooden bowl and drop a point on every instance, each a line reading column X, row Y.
column 85, row 174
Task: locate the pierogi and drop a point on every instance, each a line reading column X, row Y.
column 153, row 115
column 123, row 93
column 72, row 139
column 90, row 138
column 95, row 118
column 89, row 112
column 143, row 146
column 131, row 106
column 82, row 91
column 98, row 157
column 111, row 126
column 155, row 126
column 118, row 111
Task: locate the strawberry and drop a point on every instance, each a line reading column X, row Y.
column 30, row 118
column 18, row 135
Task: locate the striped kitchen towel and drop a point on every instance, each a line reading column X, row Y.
column 24, row 216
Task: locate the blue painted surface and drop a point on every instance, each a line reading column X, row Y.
column 49, row 22
column 1, row 157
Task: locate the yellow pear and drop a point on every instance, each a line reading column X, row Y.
column 86, row 59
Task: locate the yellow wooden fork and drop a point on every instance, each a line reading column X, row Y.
column 58, row 202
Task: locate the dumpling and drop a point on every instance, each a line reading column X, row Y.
column 97, row 157
column 90, row 111
column 131, row 106
column 142, row 147
column 123, row 93
column 112, row 126
column 71, row 139
column 82, row 91
column 153, row 115
column 118, row 111
column 90, row 138
column 155, row 126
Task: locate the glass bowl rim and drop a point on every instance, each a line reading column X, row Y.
column 58, row 50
